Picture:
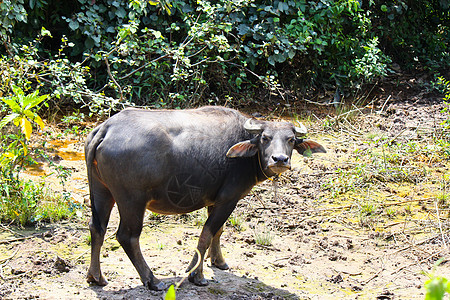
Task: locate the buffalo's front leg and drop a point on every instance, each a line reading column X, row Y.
column 215, row 253
column 218, row 215
column 130, row 227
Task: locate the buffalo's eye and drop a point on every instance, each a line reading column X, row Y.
column 266, row 138
column 291, row 140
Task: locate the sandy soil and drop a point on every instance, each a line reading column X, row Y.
column 320, row 248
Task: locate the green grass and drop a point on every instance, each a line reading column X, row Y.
column 263, row 235
column 236, row 222
column 24, row 202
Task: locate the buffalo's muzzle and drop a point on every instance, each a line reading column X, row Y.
column 279, row 163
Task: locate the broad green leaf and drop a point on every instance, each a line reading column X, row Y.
column 13, row 105
column 45, row 32
column 74, row 25
column 34, row 117
column 8, row 119
column 32, row 100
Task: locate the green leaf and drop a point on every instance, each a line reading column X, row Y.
column 17, row 90
column 74, row 25
column 170, row 295
column 12, row 103
column 32, row 100
column 121, row 13
column 436, row 288
column 8, row 119
column 45, row 32
column 39, row 121
column 307, row 153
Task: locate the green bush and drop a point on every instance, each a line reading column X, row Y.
column 24, row 203
column 108, row 54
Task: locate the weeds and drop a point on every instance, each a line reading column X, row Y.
column 22, row 201
column 160, row 245
column 263, row 235
column 72, row 122
column 236, row 222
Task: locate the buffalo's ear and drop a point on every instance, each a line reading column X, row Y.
column 308, row 147
column 242, row 149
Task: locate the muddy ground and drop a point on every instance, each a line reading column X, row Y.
column 374, row 240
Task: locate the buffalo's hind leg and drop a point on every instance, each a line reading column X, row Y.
column 217, row 217
column 130, row 228
column 215, row 253
column 101, row 204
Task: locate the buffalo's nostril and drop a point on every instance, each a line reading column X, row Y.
column 280, row 158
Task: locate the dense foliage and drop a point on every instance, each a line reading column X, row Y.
column 110, row 53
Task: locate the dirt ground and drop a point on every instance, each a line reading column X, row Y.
column 322, row 246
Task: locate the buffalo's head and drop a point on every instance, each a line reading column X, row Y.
column 274, row 142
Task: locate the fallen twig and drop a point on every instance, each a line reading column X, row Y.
column 439, row 223
column 419, row 262
column 373, row 277
column 10, row 230
column 416, row 244
column 5, row 260
column 16, row 239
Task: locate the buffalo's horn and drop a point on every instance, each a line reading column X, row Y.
column 300, row 130
column 252, row 127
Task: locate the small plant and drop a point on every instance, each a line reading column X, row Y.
column 436, row 288
column 25, row 203
column 160, row 245
column 73, row 122
column 15, row 150
column 236, row 222
column 367, row 209
column 263, row 236
column 391, row 213
column 22, row 110
column 201, row 218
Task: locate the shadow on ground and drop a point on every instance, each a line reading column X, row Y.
column 223, row 285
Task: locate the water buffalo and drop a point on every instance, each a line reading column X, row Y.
column 178, row 161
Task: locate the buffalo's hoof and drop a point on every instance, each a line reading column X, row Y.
column 156, row 285
column 96, row 280
column 195, row 279
column 223, row 266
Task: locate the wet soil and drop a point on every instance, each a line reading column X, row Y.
column 320, row 243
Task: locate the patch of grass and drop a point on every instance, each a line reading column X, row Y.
column 236, row 222
column 390, row 212
column 200, row 218
column 367, row 209
column 25, row 203
column 263, row 235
